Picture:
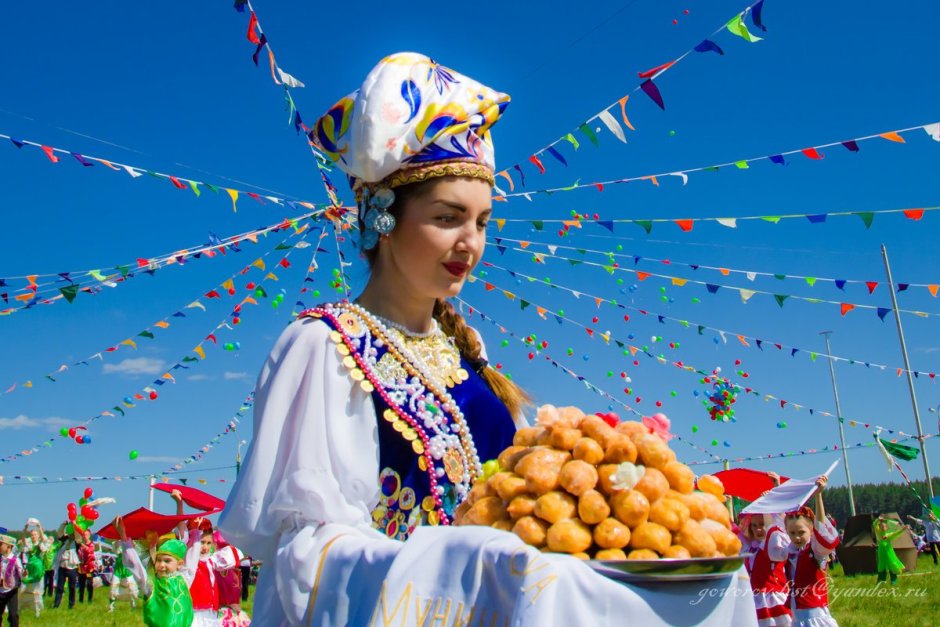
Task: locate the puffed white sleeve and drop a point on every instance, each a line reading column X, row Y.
column 314, row 455
column 824, row 540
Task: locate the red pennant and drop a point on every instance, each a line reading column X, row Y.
column 213, row 338
column 142, row 263
column 846, row 308
column 782, row 403
column 871, row 286
column 489, row 287
column 176, row 183
column 812, row 153
column 914, row 214
column 284, row 263
column 685, row 225
column 256, row 197
column 599, row 186
column 252, row 27
column 656, row 70
column 213, row 294
column 537, row 163
column 50, row 153
column 642, row 276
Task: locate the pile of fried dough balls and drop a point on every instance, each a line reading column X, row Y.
column 597, row 488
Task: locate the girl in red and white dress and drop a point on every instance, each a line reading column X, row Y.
column 214, row 565
column 765, row 538
column 229, row 581
column 814, row 538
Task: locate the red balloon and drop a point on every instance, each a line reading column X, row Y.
column 88, row 512
column 79, row 439
column 93, row 514
column 87, row 493
column 72, row 432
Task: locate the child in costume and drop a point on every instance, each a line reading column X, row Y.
column 35, row 544
column 229, row 579
column 11, row 574
column 885, row 530
column 931, row 533
column 87, row 564
column 122, row 577
column 167, row 600
column 813, row 539
column 204, row 587
column 766, row 540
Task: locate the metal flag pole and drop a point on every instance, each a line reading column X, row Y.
column 730, row 502
column 845, row 455
column 910, row 376
column 152, row 481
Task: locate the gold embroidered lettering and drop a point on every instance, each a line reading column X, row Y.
column 420, row 616
column 534, row 565
column 441, row 616
column 540, row 585
column 459, row 620
column 386, row 619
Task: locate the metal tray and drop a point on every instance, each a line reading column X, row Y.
column 667, row 570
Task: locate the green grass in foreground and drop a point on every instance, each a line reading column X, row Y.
column 95, row 614
column 854, row 601
column 912, row 602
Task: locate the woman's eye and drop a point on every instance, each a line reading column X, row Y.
column 447, row 219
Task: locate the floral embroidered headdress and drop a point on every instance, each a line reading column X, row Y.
column 411, row 120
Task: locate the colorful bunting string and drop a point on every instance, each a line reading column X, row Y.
column 687, row 224
column 542, row 312
column 470, row 309
column 813, row 153
column 30, row 294
column 751, row 275
column 150, row 332
column 713, row 288
column 813, row 451
column 179, row 182
column 230, row 427
column 37, row 480
column 608, row 118
column 149, row 392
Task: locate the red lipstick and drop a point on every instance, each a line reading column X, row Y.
column 456, row 268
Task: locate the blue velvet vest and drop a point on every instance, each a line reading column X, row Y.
column 404, row 407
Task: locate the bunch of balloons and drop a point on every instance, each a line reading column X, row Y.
column 73, row 432
column 82, row 515
column 721, row 399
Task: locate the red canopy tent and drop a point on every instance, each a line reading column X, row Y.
column 142, row 521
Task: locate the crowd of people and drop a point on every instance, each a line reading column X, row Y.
column 190, row 576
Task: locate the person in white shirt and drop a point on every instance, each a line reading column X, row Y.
column 931, row 533
column 66, row 564
column 11, row 574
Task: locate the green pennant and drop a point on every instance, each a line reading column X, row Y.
column 646, row 224
column 146, row 334
column 780, row 298
column 572, row 186
column 283, row 246
column 49, row 376
column 771, row 219
column 811, row 281
column 684, row 323
column 812, row 356
column 867, row 217
column 575, row 262
column 610, row 269
column 780, row 277
column 581, row 251
column 700, row 329
column 619, row 344
column 118, row 409
column 211, row 187
column 588, row 132
column 69, row 292
column 538, row 224
column 711, row 168
column 571, row 139
column 124, row 270
column 900, row 451
column 188, row 359
column 523, row 304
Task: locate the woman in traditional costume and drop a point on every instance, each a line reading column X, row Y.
column 888, row 564
column 373, row 417
column 35, row 544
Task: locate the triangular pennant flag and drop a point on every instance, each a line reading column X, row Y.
column 756, row 15
column 642, row 276
column 780, row 298
column 252, row 29
column 82, row 160
column 871, row 286
column 737, row 27
column 817, row 219
column 685, row 225
column 867, row 217
column 589, row 133
column 623, row 111
column 893, row 136
column 506, row 176
column 612, row 125
column 69, row 292
column 778, row 159
column 846, row 308
column 852, row 145
column 50, row 152
column 932, row 288
column 731, row 223
column 535, row 160
column 708, row 45
column 712, row 288
column 745, row 294
column 233, row 194
column 646, row 224
column 882, row 312
column 651, row 90
column 913, row 214
column 555, row 154
column 812, row 153
column 659, row 69
column 933, row 130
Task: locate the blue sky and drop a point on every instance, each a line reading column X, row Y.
column 175, row 91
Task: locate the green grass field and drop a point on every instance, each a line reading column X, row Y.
column 854, row 601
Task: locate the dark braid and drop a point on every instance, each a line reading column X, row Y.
column 468, row 343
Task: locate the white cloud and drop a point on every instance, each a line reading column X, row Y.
column 137, row 365
column 235, row 376
column 923, row 349
column 25, row 422
column 158, row 458
column 198, row 377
